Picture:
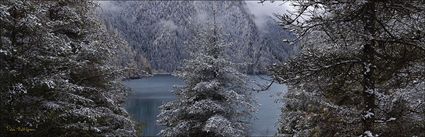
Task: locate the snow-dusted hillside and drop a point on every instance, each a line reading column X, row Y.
column 160, row 31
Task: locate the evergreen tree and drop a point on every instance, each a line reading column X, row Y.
column 215, row 100
column 359, row 71
column 56, row 78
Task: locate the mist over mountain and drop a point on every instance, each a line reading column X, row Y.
column 161, row 31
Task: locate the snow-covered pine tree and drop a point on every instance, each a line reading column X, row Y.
column 359, row 71
column 55, row 78
column 215, row 100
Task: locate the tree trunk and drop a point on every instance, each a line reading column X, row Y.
column 368, row 70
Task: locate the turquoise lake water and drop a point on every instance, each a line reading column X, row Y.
column 149, row 93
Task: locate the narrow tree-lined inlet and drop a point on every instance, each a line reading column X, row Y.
column 212, row 68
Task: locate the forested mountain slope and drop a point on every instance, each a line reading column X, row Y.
column 160, row 31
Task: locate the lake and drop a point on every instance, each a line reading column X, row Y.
column 149, row 93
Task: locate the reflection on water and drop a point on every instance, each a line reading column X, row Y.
column 151, row 92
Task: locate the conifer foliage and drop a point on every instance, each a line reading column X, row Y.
column 360, row 70
column 215, row 100
column 55, row 78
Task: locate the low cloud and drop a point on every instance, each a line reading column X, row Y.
column 261, row 11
